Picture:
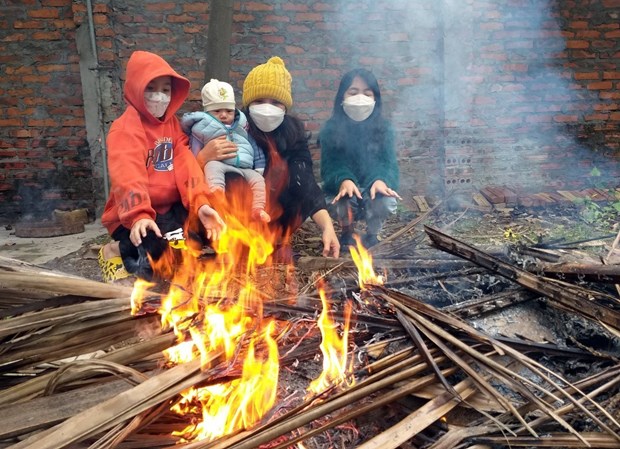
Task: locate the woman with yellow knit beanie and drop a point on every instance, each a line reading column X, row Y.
column 293, row 194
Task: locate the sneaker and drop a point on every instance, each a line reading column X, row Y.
column 112, row 269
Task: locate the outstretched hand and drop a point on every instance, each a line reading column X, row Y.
column 331, row 245
column 140, row 228
column 380, row 187
column 211, row 220
column 347, row 188
column 217, row 149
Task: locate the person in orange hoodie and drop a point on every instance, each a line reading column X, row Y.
column 157, row 186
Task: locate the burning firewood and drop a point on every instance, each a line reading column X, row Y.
column 399, row 347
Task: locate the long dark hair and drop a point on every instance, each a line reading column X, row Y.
column 345, row 83
column 371, row 131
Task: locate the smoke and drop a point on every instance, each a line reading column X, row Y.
column 481, row 93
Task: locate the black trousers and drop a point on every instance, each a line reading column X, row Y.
column 136, row 258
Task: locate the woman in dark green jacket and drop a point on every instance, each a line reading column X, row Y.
column 358, row 159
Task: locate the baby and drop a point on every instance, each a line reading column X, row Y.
column 221, row 118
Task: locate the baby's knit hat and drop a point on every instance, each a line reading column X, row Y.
column 217, row 95
column 269, row 80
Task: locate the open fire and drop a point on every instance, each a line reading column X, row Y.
column 216, row 311
column 385, row 370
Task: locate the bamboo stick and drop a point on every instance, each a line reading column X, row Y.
column 420, row 419
column 62, row 284
column 119, row 408
column 125, row 356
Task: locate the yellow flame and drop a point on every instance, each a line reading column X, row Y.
column 363, row 261
column 137, row 295
column 333, row 347
column 213, row 308
column 240, row 403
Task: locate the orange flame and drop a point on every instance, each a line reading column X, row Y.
column 240, row 403
column 363, row 261
column 216, row 313
column 137, row 295
column 213, row 308
column 334, row 349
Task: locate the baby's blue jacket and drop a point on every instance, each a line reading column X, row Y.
column 201, row 127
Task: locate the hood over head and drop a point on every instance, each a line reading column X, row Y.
column 143, row 67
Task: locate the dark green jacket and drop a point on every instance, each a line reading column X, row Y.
column 357, row 152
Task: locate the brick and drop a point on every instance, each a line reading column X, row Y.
column 294, row 7
column 565, row 118
column 577, row 44
column 47, row 36
column 44, row 13
column 30, row 24
column 587, row 76
column 161, row 6
column 257, row 6
column 603, row 85
column 309, row 17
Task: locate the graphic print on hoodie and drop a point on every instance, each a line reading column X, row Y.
column 150, row 164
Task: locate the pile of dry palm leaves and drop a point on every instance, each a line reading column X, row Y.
column 78, row 370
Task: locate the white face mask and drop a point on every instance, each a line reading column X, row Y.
column 266, row 116
column 156, row 103
column 358, row 107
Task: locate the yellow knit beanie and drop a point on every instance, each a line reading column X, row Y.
column 269, row 80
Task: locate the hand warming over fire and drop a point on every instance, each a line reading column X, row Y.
column 217, row 149
column 140, row 228
column 331, row 244
column 347, row 188
column 380, row 187
column 211, row 220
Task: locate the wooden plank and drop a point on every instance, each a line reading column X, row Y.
column 529, row 201
column 557, row 197
column 481, row 202
column 420, row 419
column 543, row 199
column 510, row 196
column 595, row 195
column 117, row 409
column 568, row 195
column 561, row 297
column 491, row 195
column 605, row 194
column 317, row 263
column 547, row 198
column 579, row 194
column 22, row 418
column 420, row 201
column 597, row 273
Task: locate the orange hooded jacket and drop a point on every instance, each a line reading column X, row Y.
column 150, row 164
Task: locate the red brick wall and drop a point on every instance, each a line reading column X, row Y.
column 508, row 92
column 44, row 159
